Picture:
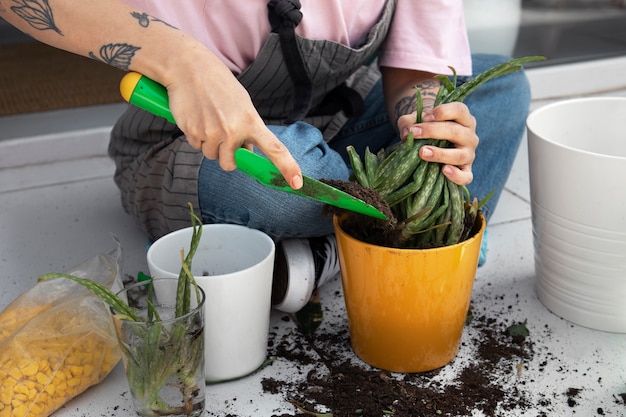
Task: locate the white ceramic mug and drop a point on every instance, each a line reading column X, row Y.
column 577, row 163
column 234, row 266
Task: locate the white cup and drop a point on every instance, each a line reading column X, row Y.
column 577, row 167
column 234, row 266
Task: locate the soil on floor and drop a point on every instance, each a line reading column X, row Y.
column 490, row 376
column 346, row 387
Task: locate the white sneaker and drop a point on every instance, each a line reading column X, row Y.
column 301, row 266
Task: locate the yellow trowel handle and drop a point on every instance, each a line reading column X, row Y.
column 147, row 94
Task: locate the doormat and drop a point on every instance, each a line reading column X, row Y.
column 35, row 77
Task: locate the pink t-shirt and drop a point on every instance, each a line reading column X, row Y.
column 426, row 35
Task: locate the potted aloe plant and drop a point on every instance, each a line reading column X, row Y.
column 407, row 281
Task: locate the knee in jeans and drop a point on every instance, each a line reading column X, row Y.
column 302, row 219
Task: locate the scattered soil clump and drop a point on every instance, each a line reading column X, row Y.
column 344, row 386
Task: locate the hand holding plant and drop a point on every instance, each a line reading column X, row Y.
column 429, row 209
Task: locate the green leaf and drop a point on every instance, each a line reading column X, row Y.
column 116, row 303
column 419, row 105
column 470, row 316
column 310, row 317
column 508, row 67
column 518, row 330
column 185, row 277
column 371, row 165
column 357, row 167
column 445, row 81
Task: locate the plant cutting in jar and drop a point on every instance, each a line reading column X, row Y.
column 162, row 347
column 428, row 209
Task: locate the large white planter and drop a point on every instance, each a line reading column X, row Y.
column 493, row 25
column 577, row 166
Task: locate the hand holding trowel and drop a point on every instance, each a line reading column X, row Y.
column 145, row 93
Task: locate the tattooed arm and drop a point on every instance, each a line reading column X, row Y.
column 106, row 31
column 209, row 104
column 452, row 122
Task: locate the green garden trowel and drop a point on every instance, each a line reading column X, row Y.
column 147, row 94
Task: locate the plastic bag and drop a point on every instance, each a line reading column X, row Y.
column 57, row 339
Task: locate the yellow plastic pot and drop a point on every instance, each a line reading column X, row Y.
column 407, row 307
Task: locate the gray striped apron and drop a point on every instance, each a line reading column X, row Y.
column 157, row 170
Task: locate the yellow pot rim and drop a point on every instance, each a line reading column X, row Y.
column 337, row 223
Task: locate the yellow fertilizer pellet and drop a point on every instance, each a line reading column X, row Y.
column 12, row 319
column 63, row 354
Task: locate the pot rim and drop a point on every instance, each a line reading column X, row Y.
column 194, row 310
column 531, row 125
column 338, row 218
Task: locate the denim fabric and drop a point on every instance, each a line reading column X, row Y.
column 500, row 107
column 233, row 197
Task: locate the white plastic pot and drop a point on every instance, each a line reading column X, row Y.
column 234, row 266
column 577, row 163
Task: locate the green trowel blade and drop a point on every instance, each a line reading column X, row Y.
column 266, row 173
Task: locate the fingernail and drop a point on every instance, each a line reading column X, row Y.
column 427, row 152
column 296, row 182
column 428, row 117
column 417, row 131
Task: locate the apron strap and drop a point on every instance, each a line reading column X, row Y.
column 341, row 98
column 284, row 16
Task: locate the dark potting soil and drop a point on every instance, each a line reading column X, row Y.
column 366, row 228
column 493, row 379
column 344, row 387
column 372, row 230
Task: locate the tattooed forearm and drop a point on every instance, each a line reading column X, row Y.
column 36, row 13
column 428, row 90
column 116, row 54
column 144, row 19
column 406, row 105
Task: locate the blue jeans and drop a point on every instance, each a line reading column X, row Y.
column 500, row 107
